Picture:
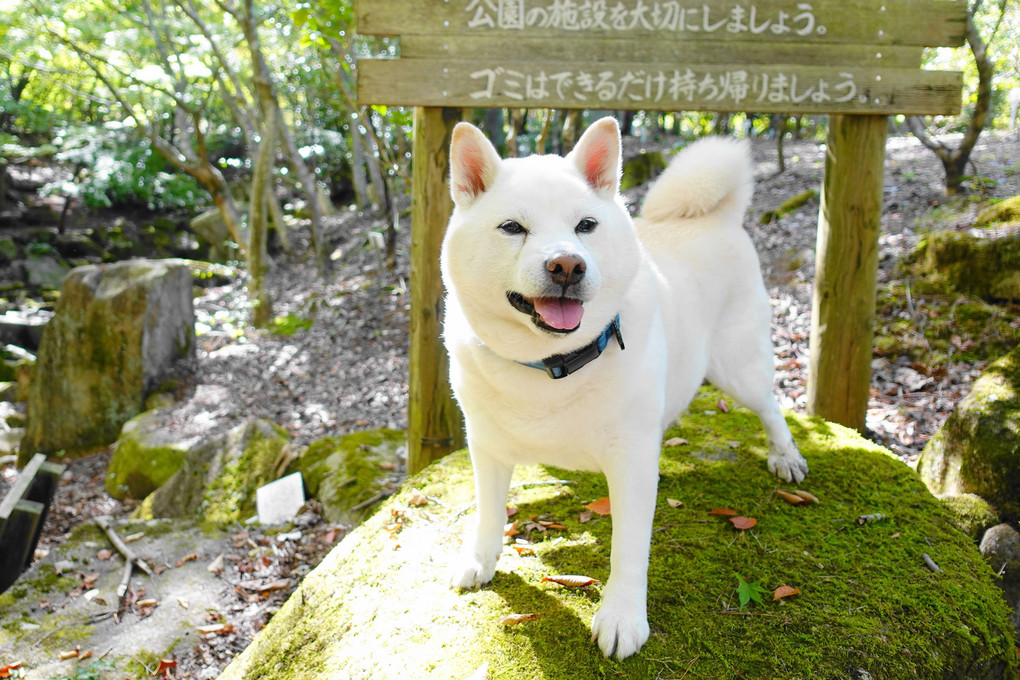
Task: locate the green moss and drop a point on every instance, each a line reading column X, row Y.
column 232, row 496
column 971, row 513
column 343, row 472
column 645, row 166
column 1007, row 210
column 788, row 206
column 984, row 267
column 379, row 606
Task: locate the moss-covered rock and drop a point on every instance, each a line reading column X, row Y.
column 220, row 475
column 1001, row 547
column 971, row 513
column 145, row 456
column 116, row 330
column 1007, row 210
column 977, row 450
column 379, row 606
column 986, row 267
column 343, row 473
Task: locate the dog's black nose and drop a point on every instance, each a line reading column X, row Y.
column 565, row 269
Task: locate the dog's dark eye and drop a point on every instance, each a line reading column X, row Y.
column 586, row 226
column 512, row 227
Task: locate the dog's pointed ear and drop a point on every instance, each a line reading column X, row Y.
column 597, row 156
column 474, row 164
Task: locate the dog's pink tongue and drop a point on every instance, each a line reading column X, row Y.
column 561, row 313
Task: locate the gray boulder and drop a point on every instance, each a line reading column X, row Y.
column 116, row 329
column 1001, row 547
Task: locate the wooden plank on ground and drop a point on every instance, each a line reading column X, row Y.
column 893, row 22
column 22, row 522
column 617, row 50
column 21, row 485
column 661, row 86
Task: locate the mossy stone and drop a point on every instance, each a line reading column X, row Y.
column 145, row 456
column 379, row 605
column 8, row 249
column 344, row 472
column 220, row 475
column 1007, row 210
column 977, row 450
column 971, row 513
column 116, row 329
column 985, row 267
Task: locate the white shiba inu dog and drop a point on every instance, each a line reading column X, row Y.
column 576, row 335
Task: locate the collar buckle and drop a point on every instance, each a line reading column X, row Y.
column 561, row 365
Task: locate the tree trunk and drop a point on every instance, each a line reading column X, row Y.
column 262, row 307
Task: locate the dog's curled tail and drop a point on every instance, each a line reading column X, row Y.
column 714, row 173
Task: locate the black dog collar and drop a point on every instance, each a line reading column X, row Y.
column 561, row 365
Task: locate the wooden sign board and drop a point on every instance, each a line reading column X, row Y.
column 826, row 56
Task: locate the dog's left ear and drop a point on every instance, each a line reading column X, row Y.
column 597, row 156
column 474, row 164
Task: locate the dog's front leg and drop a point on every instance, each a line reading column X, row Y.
column 621, row 624
column 484, row 542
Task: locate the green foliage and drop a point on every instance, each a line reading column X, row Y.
column 747, row 592
column 119, row 167
column 290, row 324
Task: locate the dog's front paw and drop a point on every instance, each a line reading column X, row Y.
column 470, row 572
column 787, row 463
column 620, row 627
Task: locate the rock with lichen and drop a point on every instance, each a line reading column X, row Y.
column 986, row 267
column 349, row 475
column 971, row 513
column 379, row 606
column 117, row 328
column 218, row 478
column 977, row 450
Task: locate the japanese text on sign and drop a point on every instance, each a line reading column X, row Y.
column 681, row 86
column 657, row 15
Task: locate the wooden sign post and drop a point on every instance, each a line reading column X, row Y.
column 857, row 59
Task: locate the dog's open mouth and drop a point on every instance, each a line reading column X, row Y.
column 556, row 314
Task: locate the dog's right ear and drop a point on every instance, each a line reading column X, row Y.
column 474, row 164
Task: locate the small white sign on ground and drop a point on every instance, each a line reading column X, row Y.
column 279, row 501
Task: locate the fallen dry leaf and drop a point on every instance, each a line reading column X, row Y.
column 585, row 516
column 104, row 554
column 511, row 529
column 791, row 498
column 674, row 503
column 552, row 525
column 417, row 498
column 134, row 537
column 510, row 511
column 570, row 580
column 675, row 441
column 147, row 602
column 64, row 656
column 190, row 557
column 784, row 591
column 279, row 584
column 524, row 550
column 810, row 497
column 723, row 406
column 743, row 523
column 165, row 667
column 514, row 619
column 183, row 602
column 725, row 512
column 600, row 506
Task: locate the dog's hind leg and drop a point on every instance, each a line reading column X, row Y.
column 476, row 564
column 742, row 366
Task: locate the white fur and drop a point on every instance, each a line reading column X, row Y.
column 685, row 281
